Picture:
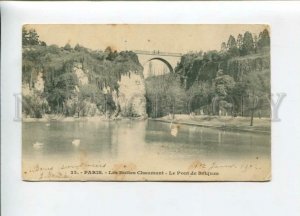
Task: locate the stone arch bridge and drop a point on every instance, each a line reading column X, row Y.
column 169, row 59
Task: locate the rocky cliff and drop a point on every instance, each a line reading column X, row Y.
column 131, row 95
column 129, row 98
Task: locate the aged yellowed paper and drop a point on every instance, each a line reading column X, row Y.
column 146, row 102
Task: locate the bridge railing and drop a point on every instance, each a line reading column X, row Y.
column 157, row 52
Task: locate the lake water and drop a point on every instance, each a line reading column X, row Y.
column 129, row 139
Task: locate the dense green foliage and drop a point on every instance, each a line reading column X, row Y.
column 62, row 89
column 30, row 37
column 164, row 95
column 232, row 81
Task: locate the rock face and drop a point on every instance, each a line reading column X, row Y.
column 33, row 100
column 131, row 95
column 129, row 98
column 81, row 75
column 38, row 86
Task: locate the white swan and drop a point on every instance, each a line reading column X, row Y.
column 37, row 145
column 76, row 142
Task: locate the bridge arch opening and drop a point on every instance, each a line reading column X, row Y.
column 157, row 66
column 164, row 61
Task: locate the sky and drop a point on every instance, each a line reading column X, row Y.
column 166, row 38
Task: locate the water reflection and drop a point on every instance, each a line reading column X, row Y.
column 138, row 139
column 128, row 139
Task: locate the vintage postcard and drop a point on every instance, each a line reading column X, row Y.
column 146, row 102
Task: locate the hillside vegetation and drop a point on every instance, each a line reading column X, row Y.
column 234, row 81
column 55, row 68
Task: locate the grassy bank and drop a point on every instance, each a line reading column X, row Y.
column 261, row 125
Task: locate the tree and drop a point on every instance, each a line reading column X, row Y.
column 42, row 43
column 255, row 91
column 68, row 47
column 238, row 94
column 224, row 84
column 198, row 95
column 231, row 42
column 232, row 46
column 34, row 104
column 239, row 42
column 264, row 39
column 224, row 88
column 175, row 95
column 223, row 47
column 111, row 54
column 58, row 88
column 29, row 37
column 80, row 48
column 191, row 93
column 248, row 44
column 255, row 41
